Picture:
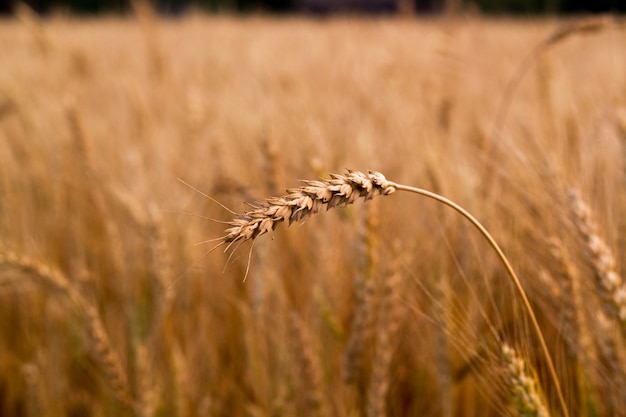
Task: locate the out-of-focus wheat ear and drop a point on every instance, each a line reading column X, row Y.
column 18, row 102
column 612, row 293
column 387, row 325
column 41, row 273
column 148, row 20
column 141, row 121
column 107, row 357
column 162, row 265
column 611, row 351
column 311, row 374
column 79, row 136
column 34, row 389
column 611, row 286
column 29, row 18
column 7, row 106
column 526, row 396
column 272, row 165
column 544, row 87
column 442, row 309
column 585, row 25
column 80, row 156
column 91, row 198
column 362, row 331
column 363, row 325
column 179, row 372
column 620, row 127
column 448, row 80
column 575, row 329
column 146, row 390
column 98, row 337
column 372, row 241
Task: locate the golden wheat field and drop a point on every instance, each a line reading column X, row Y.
column 121, row 137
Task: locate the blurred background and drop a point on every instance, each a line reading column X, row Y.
column 177, row 7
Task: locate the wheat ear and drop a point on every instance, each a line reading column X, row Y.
column 585, row 25
column 612, row 286
column 525, row 393
column 341, row 190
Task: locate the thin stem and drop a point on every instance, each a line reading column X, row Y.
column 512, row 274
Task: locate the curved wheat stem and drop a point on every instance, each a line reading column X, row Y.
column 516, row 281
column 341, row 190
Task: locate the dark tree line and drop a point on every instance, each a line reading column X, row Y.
column 176, row 7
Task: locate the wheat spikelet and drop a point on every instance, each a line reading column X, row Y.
column 525, row 394
column 611, row 285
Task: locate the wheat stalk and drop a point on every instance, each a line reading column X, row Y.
column 342, row 190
